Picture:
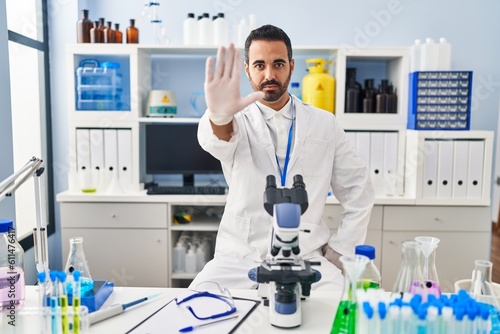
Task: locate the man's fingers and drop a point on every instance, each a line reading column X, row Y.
column 209, row 69
column 236, row 68
column 251, row 98
column 219, row 64
column 228, row 66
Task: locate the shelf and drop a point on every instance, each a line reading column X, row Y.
column 168, row 120
column 183, row 275
column 197, row 226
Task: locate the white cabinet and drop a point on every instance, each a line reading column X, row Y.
column 464, row 233
column 126, row 243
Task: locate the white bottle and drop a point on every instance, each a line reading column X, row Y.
column 416, row 50
column 179, row 258
column 221, row 30
column 242, row 32
column 191, row 261
column 252, row 22
column 429, row 56
column 205, row 29
column 200, row 257
column 444, row 55
column 190, row 30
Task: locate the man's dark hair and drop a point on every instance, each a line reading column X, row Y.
column 268, row 33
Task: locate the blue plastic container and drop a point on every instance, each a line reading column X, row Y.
column 440, row 100
column 98, row 86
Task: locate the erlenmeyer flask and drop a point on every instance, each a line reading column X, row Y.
column 429, row 272
column 410, row 278
column 345, row 319
column 77, row 261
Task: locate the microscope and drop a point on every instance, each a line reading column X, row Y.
column 288, row 277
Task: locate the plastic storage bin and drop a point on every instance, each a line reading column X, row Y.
column 440, row 100
column 98, row 86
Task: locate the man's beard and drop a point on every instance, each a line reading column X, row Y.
column 271, row 95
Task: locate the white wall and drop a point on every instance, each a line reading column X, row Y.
column 471, row 27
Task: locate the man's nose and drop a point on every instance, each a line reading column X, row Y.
column 270, row 74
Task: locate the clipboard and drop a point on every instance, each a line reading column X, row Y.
column 172, row 317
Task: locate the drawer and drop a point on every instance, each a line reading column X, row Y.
column 437, row 218
column 332, row 212
column 117, row 215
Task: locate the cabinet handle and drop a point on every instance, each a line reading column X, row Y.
column 113, row 215
column 437, row 219
column 158, row 240
column 392, row 243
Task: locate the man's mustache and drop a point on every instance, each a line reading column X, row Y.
column 269, row 83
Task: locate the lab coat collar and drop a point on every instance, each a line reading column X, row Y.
column 302, row 116
column 269, row 113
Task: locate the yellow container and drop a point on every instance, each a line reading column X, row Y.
column 318, row 87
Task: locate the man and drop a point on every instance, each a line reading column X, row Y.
column 272, row 132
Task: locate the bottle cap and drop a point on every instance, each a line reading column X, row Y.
column 442, row 40
column 191, row 15
column 295, row 85
column 221, row 15
column 110, row 64
column 366, row 250
column 206, row 15
column 5, row 225
column 429, row 40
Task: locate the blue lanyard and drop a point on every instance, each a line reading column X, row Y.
column 288, row 146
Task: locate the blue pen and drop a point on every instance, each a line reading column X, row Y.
column 191, row 328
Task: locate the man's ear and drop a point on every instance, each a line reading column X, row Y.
column 246, row 69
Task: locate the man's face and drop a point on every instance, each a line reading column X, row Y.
column 268, row 69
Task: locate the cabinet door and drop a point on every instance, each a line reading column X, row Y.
column 126, row 257
column 455, row 255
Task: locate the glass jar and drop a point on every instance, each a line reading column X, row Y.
column 83, row 27
column 132, row 33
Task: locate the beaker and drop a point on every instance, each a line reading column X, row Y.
column 77, row 261
column 345, row 319
column 410, row 278
column 429, row 272
column 481, row 279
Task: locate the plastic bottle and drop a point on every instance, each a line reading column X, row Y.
column 118, row 34
column 429, row 56
column 200, row 257
column 252, row 22
column 221, row 30
column 370, row 279
column 205, row 30
column 190, row 30
column 191, row 265
column 444, row 63
column 109, row 34
column 83, row 27
column 295, row 90
column 132, row 33
column 12, row 282
column 318, row 87
column 242, row 32
column 416, row 51
column 179, row 257
column 353, row 101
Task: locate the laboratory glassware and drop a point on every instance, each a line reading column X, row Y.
column 77, row 261
column 352, row 92
column 118, row 34
column 109, row 34
column 12, row 282
column 410, row 278
column 83, row 27
column 382, row 97
column 481, row 279
column 132, row 33
column 96, row 34
column 345, row 319
column 370, row 279
column 429, row 272
column 369, row 95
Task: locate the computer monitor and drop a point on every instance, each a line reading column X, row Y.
column 173, row 148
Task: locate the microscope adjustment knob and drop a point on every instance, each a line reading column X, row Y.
column 252, row 274
column 287, row 253
column 274, row 251
column 296, row 250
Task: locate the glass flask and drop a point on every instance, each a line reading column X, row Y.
column 353, row 92
column 132, row 33
column 370, row 279
column 429, row 272
column 83, row 27
column 410, row 278
column 77, row 261
column 118, row 34
column 345, row 319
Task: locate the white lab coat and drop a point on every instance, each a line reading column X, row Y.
column 321, row 154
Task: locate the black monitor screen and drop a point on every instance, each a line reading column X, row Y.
column 173, row 148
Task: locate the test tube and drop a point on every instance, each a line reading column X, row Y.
column 63, row 300
column 76, row 301
column 54, row 302
column 42, row 289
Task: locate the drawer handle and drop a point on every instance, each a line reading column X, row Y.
column 392, row 243
column 436, row 219
column 159, row 240
column 113, row 216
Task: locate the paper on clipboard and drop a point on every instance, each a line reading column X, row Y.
column 172, row 317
